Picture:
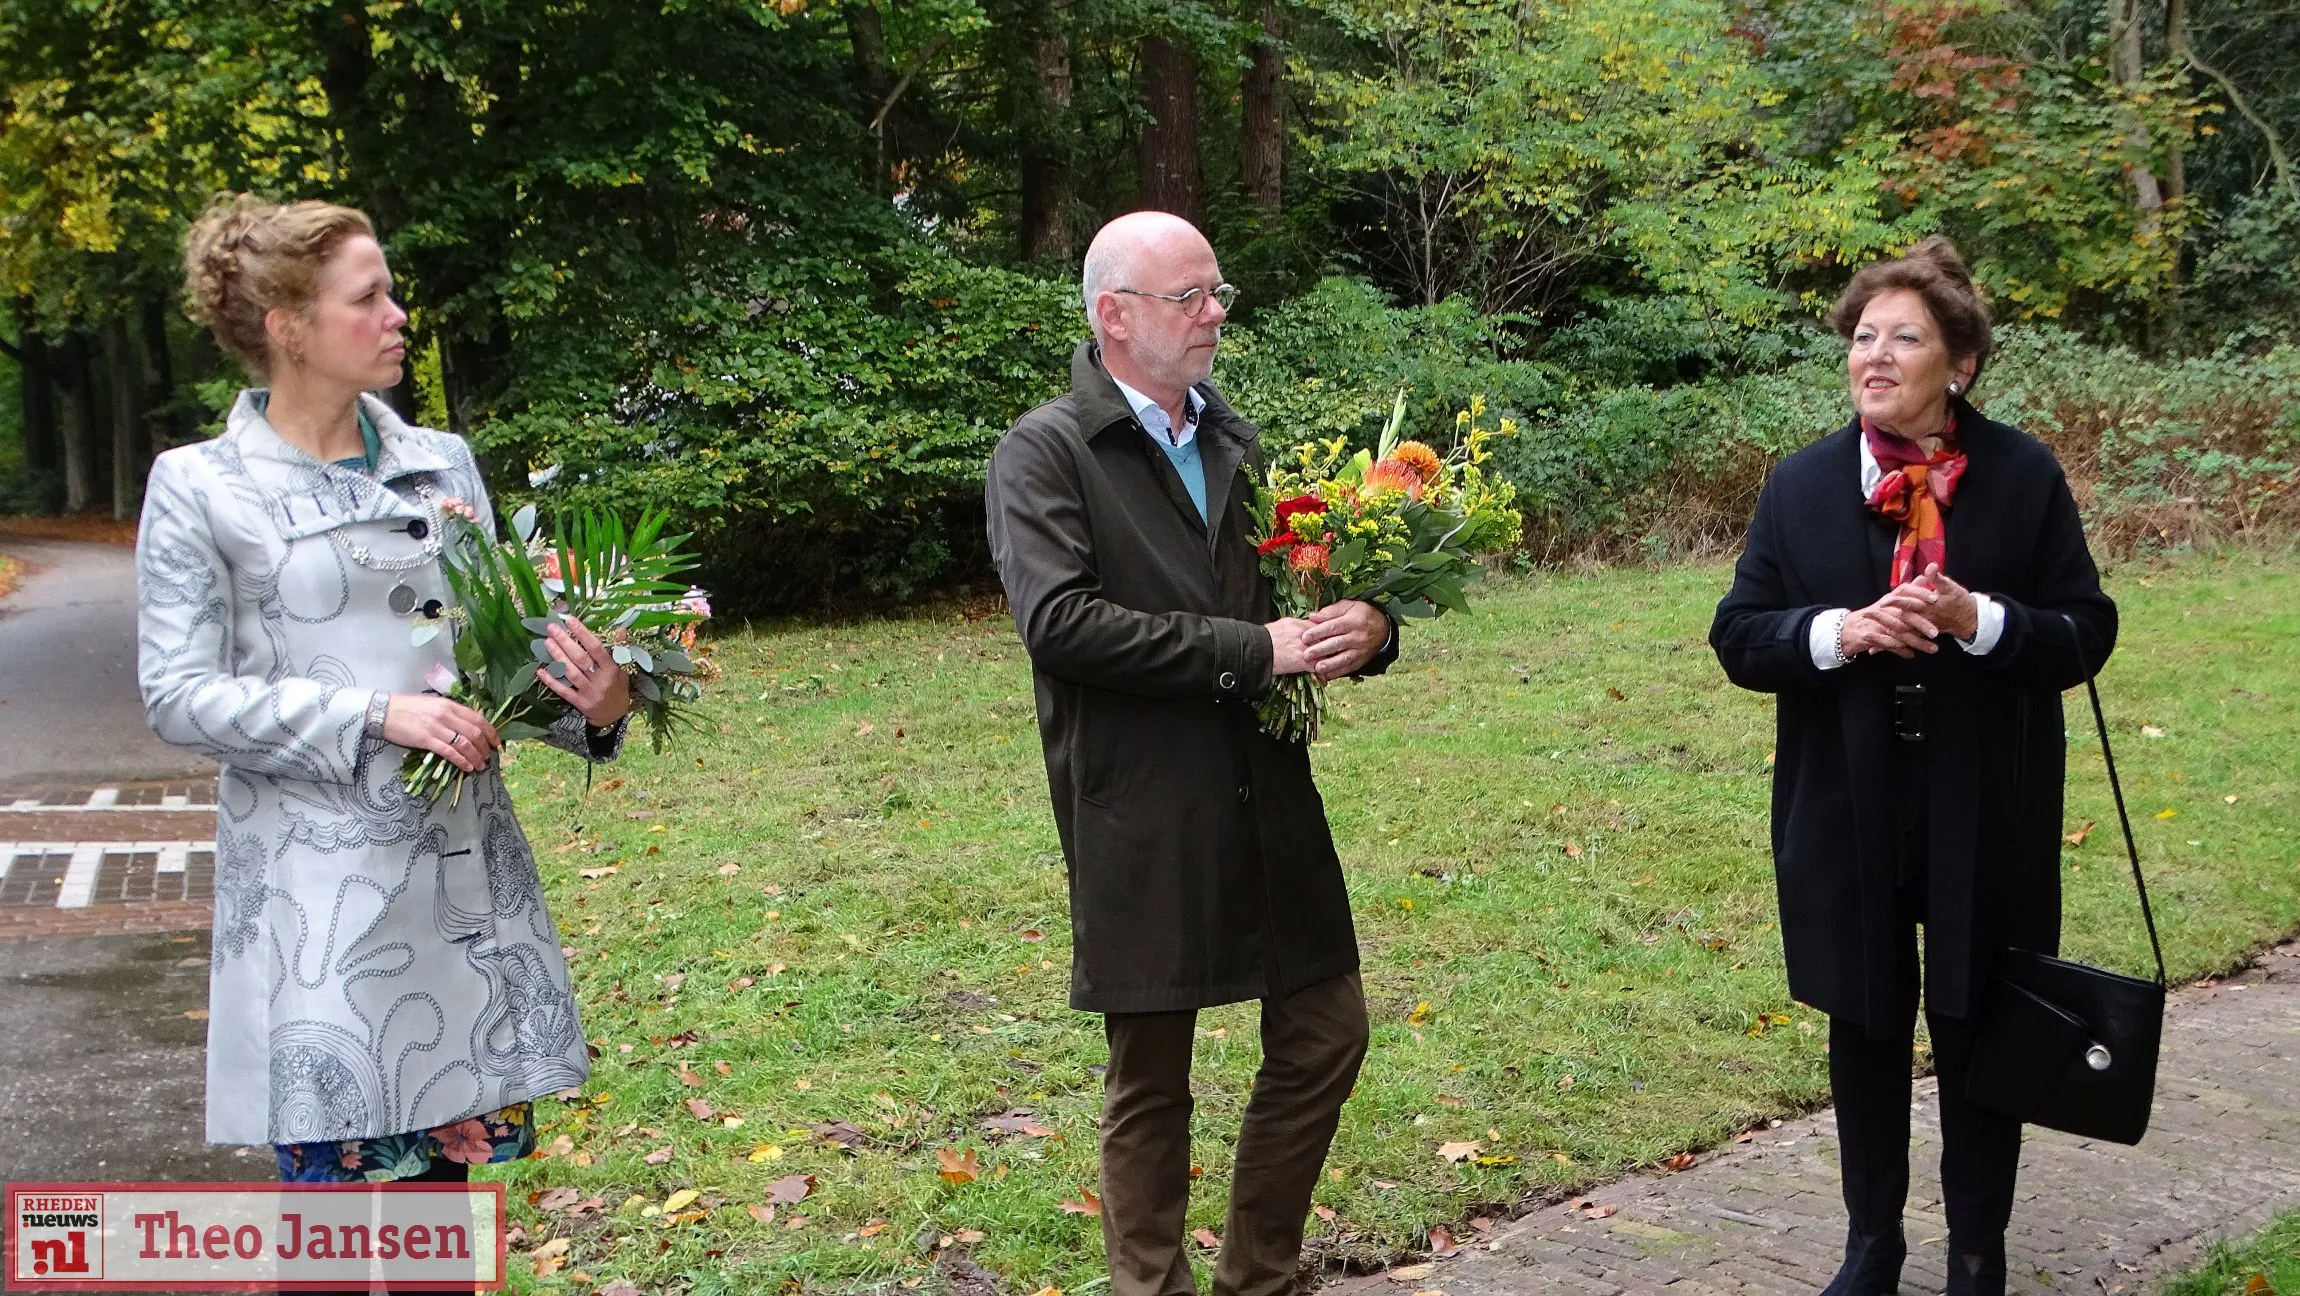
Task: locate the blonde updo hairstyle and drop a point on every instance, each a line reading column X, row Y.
column 247, row 257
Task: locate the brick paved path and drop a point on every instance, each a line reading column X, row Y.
column 119, row 857
column 2221, row 1159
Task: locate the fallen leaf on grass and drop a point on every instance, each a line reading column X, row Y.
column 701, row 1110
column 839, row 1132
column 2168, row 813
column 968, row 1236
column 1457, row 1151
column 1325, row 1213
column 1448, row 1100
column 729, row 870
column 1597, row 1212
column 1087, row 1204
column 1442, row 1244
column 1420, row 1014
column 560, row 1146
column 2151, row 731
column 763, row 1214
column 864, row 729
column 2077, row 838
column 688, row 1077
column 1033, row 935
column 679, row 1200
column 658, row 1156
column 620, row 1287
column 957, row 1169
column 790, row 1188
column 1017, row 1120
column 1412, row 1272
column 2258, row 1285
column 723, row 1067
column 765, row 1152
column 1207, row 1238
column 1572, row 850
column 1682, row 1161
column 872, row 1229
column 549, row 1258
column 1616, row 694
column 558, row 1199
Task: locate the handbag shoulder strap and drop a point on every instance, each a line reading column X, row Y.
column 2115, row 787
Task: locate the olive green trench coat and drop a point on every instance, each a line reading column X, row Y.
column 1201, row 869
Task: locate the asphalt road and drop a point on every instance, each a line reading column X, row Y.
column 69, row 710
column 103, row 1074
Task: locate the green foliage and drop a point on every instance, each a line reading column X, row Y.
column 1330, row 362
column 1506, row 148
column 818, row 419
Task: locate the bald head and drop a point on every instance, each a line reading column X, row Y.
column 1133, row 250
column 1139, row 270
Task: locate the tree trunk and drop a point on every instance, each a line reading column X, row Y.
column 1262, row 131
column 873, row 83
column 76, row 387
column 126, row 381
column 2129, row 65
column 1168, row 162
column 2175, row 26
column 1045, row 147
column 471, row 370
column 42, row 450
column 163, row 423
column 339, row 30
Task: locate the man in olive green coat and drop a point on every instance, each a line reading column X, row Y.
column 1201, row 869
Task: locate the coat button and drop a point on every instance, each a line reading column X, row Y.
column 1227, row 681
column 1245, row 793
column 418, row 529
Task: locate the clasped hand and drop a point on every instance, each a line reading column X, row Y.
column 1336, row 640
column 595, row 686
column 1911, row 616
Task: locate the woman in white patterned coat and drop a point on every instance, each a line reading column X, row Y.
column 387, row 991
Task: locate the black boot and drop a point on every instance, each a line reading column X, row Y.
column 1976, row 1273
column 1873, row 1266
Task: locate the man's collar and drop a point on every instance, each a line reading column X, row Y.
column 1194, row 403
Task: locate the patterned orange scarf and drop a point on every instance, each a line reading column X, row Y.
column 1913, row 492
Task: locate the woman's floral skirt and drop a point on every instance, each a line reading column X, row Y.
column 505, row 1135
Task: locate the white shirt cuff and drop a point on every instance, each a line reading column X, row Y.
column 1821, row 640
column 1991, row 627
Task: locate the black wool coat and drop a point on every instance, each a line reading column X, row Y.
column 1996, row 752
column 1201, row 869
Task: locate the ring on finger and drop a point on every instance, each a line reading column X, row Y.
column 454, row 738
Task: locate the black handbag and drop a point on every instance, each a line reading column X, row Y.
column 2069, row 1046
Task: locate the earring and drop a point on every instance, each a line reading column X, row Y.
column 1956, row 389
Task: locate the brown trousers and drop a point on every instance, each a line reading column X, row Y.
column 1312, row 1043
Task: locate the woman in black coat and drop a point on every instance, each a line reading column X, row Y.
column 1916, row 591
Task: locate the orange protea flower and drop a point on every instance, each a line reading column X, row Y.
column 1309, row 558
column 1396, row 475
column 1420, row 458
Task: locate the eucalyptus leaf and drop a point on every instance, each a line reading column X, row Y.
column 622, row 654
column 541, row 648
column 536, row 625
column 645, row 659
column 423, row 634
column 676, row 663
column 523, row 523
column 558, row 670
column 520, row 730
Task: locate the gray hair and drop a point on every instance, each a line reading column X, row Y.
column 1106, row 265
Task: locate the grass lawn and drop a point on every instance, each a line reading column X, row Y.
column 2265, row 1265
column 847, row 906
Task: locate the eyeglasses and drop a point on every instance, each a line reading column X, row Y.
column 1193, row 302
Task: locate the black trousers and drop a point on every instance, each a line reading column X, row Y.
column 1869, row 1076
column 442, row 1171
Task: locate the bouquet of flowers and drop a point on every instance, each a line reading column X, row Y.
column 617, row 580
column 1396, row 528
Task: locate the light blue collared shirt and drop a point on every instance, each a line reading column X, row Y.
column 1180, row 444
